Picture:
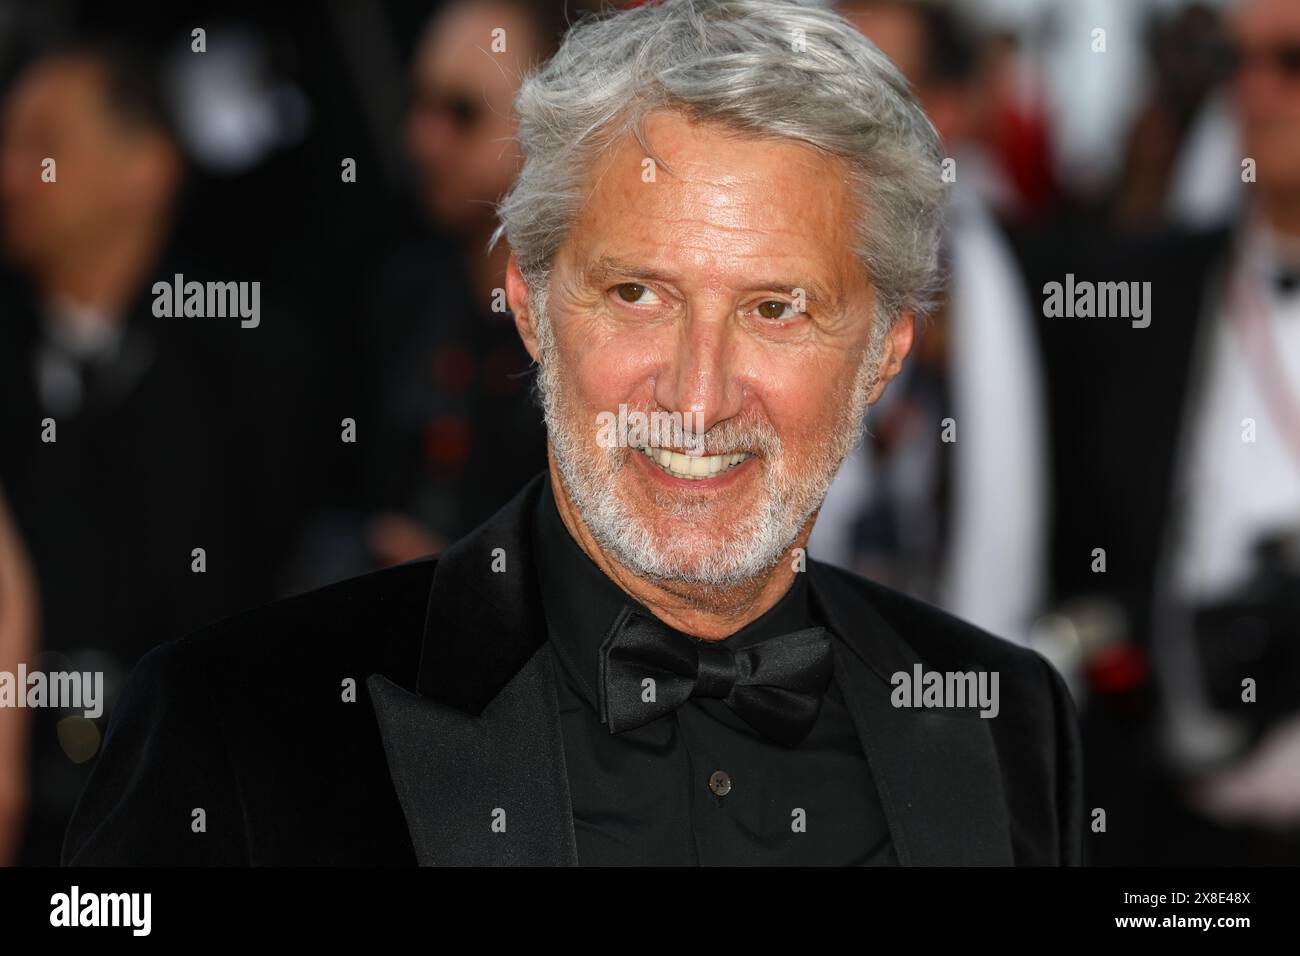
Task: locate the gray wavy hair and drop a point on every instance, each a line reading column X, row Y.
column 738, row 63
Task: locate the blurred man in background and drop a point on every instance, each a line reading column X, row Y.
column 1180, row 468
column 947, row 498
column 458, row 433
column 18, row 624
column 120, row 443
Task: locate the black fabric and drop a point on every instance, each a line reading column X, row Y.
column 641, row 795
column 1117, row 396
column 449, row 825
column 179, row 441
column 254, row 721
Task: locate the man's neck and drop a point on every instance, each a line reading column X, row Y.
column 105, row 276
column 704, row 612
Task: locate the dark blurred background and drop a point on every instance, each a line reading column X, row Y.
column 1124, row 499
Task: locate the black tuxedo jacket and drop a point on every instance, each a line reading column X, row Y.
column 1119, row 398
column 240, row 744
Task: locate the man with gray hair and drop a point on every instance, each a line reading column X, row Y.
column 725, row 225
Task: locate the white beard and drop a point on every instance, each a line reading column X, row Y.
column 713, row 558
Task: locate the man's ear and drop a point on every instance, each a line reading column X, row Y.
column 520, row 307
column 898, row 342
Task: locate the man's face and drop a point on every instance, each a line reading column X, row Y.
column 897, row 28
column 58, row 111
column 460, row 126
column 680, row 295
column 1267, row 87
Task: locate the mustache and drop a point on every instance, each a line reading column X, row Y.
column 752, row 434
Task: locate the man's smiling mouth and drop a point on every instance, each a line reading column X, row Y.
column 693, row 467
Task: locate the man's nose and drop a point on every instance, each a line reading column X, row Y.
column 702, row 376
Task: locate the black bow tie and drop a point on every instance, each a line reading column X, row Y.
column 775, row 685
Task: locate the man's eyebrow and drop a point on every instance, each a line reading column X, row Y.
column 607, row 267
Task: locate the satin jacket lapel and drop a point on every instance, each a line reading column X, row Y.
column 937, row 773
column 477, row 740
column 481, row 790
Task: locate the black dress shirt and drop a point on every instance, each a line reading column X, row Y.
column 697, row 786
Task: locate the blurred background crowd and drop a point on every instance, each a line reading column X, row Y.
column 1125, row 500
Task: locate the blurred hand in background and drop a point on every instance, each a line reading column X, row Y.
column 18, row 628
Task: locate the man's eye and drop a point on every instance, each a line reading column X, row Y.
column 633, row 293
column 773, row 309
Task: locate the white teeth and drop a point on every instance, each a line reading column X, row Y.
column 694, row 468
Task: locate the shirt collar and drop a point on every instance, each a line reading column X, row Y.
column 581, row 602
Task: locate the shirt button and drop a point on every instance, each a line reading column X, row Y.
column 720, row 783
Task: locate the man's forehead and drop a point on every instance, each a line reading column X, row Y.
column 75, row 83
column 708, row 152
column 66, row 75
column 733, row 210
column 459, row 43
